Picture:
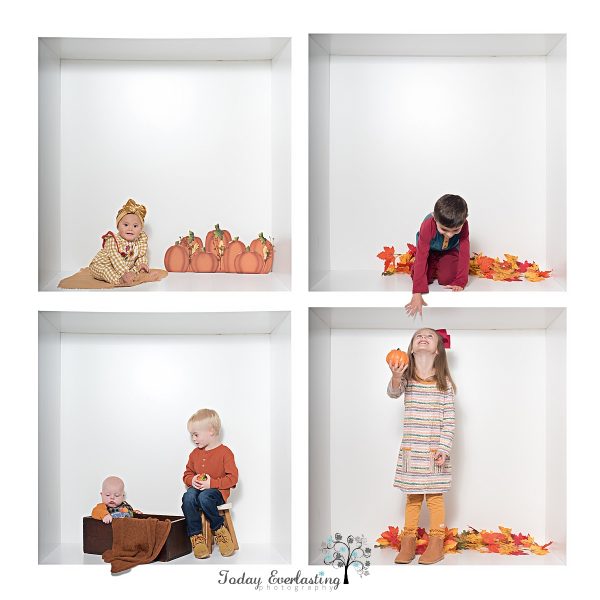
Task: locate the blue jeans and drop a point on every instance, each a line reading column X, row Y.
column 195, row 502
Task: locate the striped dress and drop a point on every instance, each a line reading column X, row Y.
column 428, row 427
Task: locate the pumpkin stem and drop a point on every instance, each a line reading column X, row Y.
column 247, row 248
column 236, row 238
column 218, row 231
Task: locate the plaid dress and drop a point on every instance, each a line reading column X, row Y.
column 117, row 256
column 428, row 427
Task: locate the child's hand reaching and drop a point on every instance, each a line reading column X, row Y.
column 107, row 519
column 454, row 288
column 397, row 368
column 415, row 305
column 144, row 268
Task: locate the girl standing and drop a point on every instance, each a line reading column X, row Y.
column 424, row 469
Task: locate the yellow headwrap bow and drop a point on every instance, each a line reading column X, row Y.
column 132, row 208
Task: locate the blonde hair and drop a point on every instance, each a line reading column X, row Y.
column 209, row 416
column 440, row 363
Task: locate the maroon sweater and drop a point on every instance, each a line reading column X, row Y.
column 219, row 463
column 427, row 234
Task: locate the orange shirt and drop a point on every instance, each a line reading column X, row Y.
column 219, row 463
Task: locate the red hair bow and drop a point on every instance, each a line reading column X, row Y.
column 445, row 336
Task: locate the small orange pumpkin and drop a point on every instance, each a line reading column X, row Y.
column 248, row 262
column 261, row 245
column 216, row 242
column 204, row 262
column 395, row 356
column 231, row 252
column 177, row 259
column 268, row 266
column 191, row 241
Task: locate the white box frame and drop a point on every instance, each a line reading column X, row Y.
column 380, row 151
column 349, row 409
column 260, row 437
column 220, row 112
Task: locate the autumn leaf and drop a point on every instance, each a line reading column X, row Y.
column 388, row 256
column 539, row 550
column 389, row 538
column 518, row 538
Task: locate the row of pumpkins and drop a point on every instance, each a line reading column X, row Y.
column 220, row 254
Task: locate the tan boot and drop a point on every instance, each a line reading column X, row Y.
column 434, row 552
column 408, row 545
column 199, row 546
column 224, row 541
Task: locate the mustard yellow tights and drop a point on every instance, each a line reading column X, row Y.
column 435, row 504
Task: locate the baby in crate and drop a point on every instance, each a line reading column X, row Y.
column 123, row 254
column 113, row 505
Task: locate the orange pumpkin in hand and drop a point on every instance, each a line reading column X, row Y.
column 396, row 356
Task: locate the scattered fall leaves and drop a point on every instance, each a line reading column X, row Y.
column 480, row 265
column 493, row 542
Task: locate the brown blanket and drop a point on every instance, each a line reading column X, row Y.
column 135, row 542
column 85, row 281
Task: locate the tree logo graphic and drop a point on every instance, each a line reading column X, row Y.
column 342, row 554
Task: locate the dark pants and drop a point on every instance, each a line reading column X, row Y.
column 195, row 502
column 442, row 266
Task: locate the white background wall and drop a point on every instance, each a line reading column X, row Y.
column 556, row 434
column 319, row 115
column 191, row 140
column 49, row 416
column 49, row 217
column 125, row 405
column 280, row 450
column 320, row 467
column 556, row 156
column 499, row 456
column 406, row 130
column 281, row 161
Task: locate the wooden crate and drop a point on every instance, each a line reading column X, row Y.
column 97, row 537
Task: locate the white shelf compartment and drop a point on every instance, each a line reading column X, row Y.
column 198, row 130
column 509, row 451
column 115, row 393
column 396, row 121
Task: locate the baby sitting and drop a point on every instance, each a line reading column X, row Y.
column 123, row 255
column 113, row 505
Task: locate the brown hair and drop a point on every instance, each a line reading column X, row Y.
column 440, row 363
column 450, row 211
